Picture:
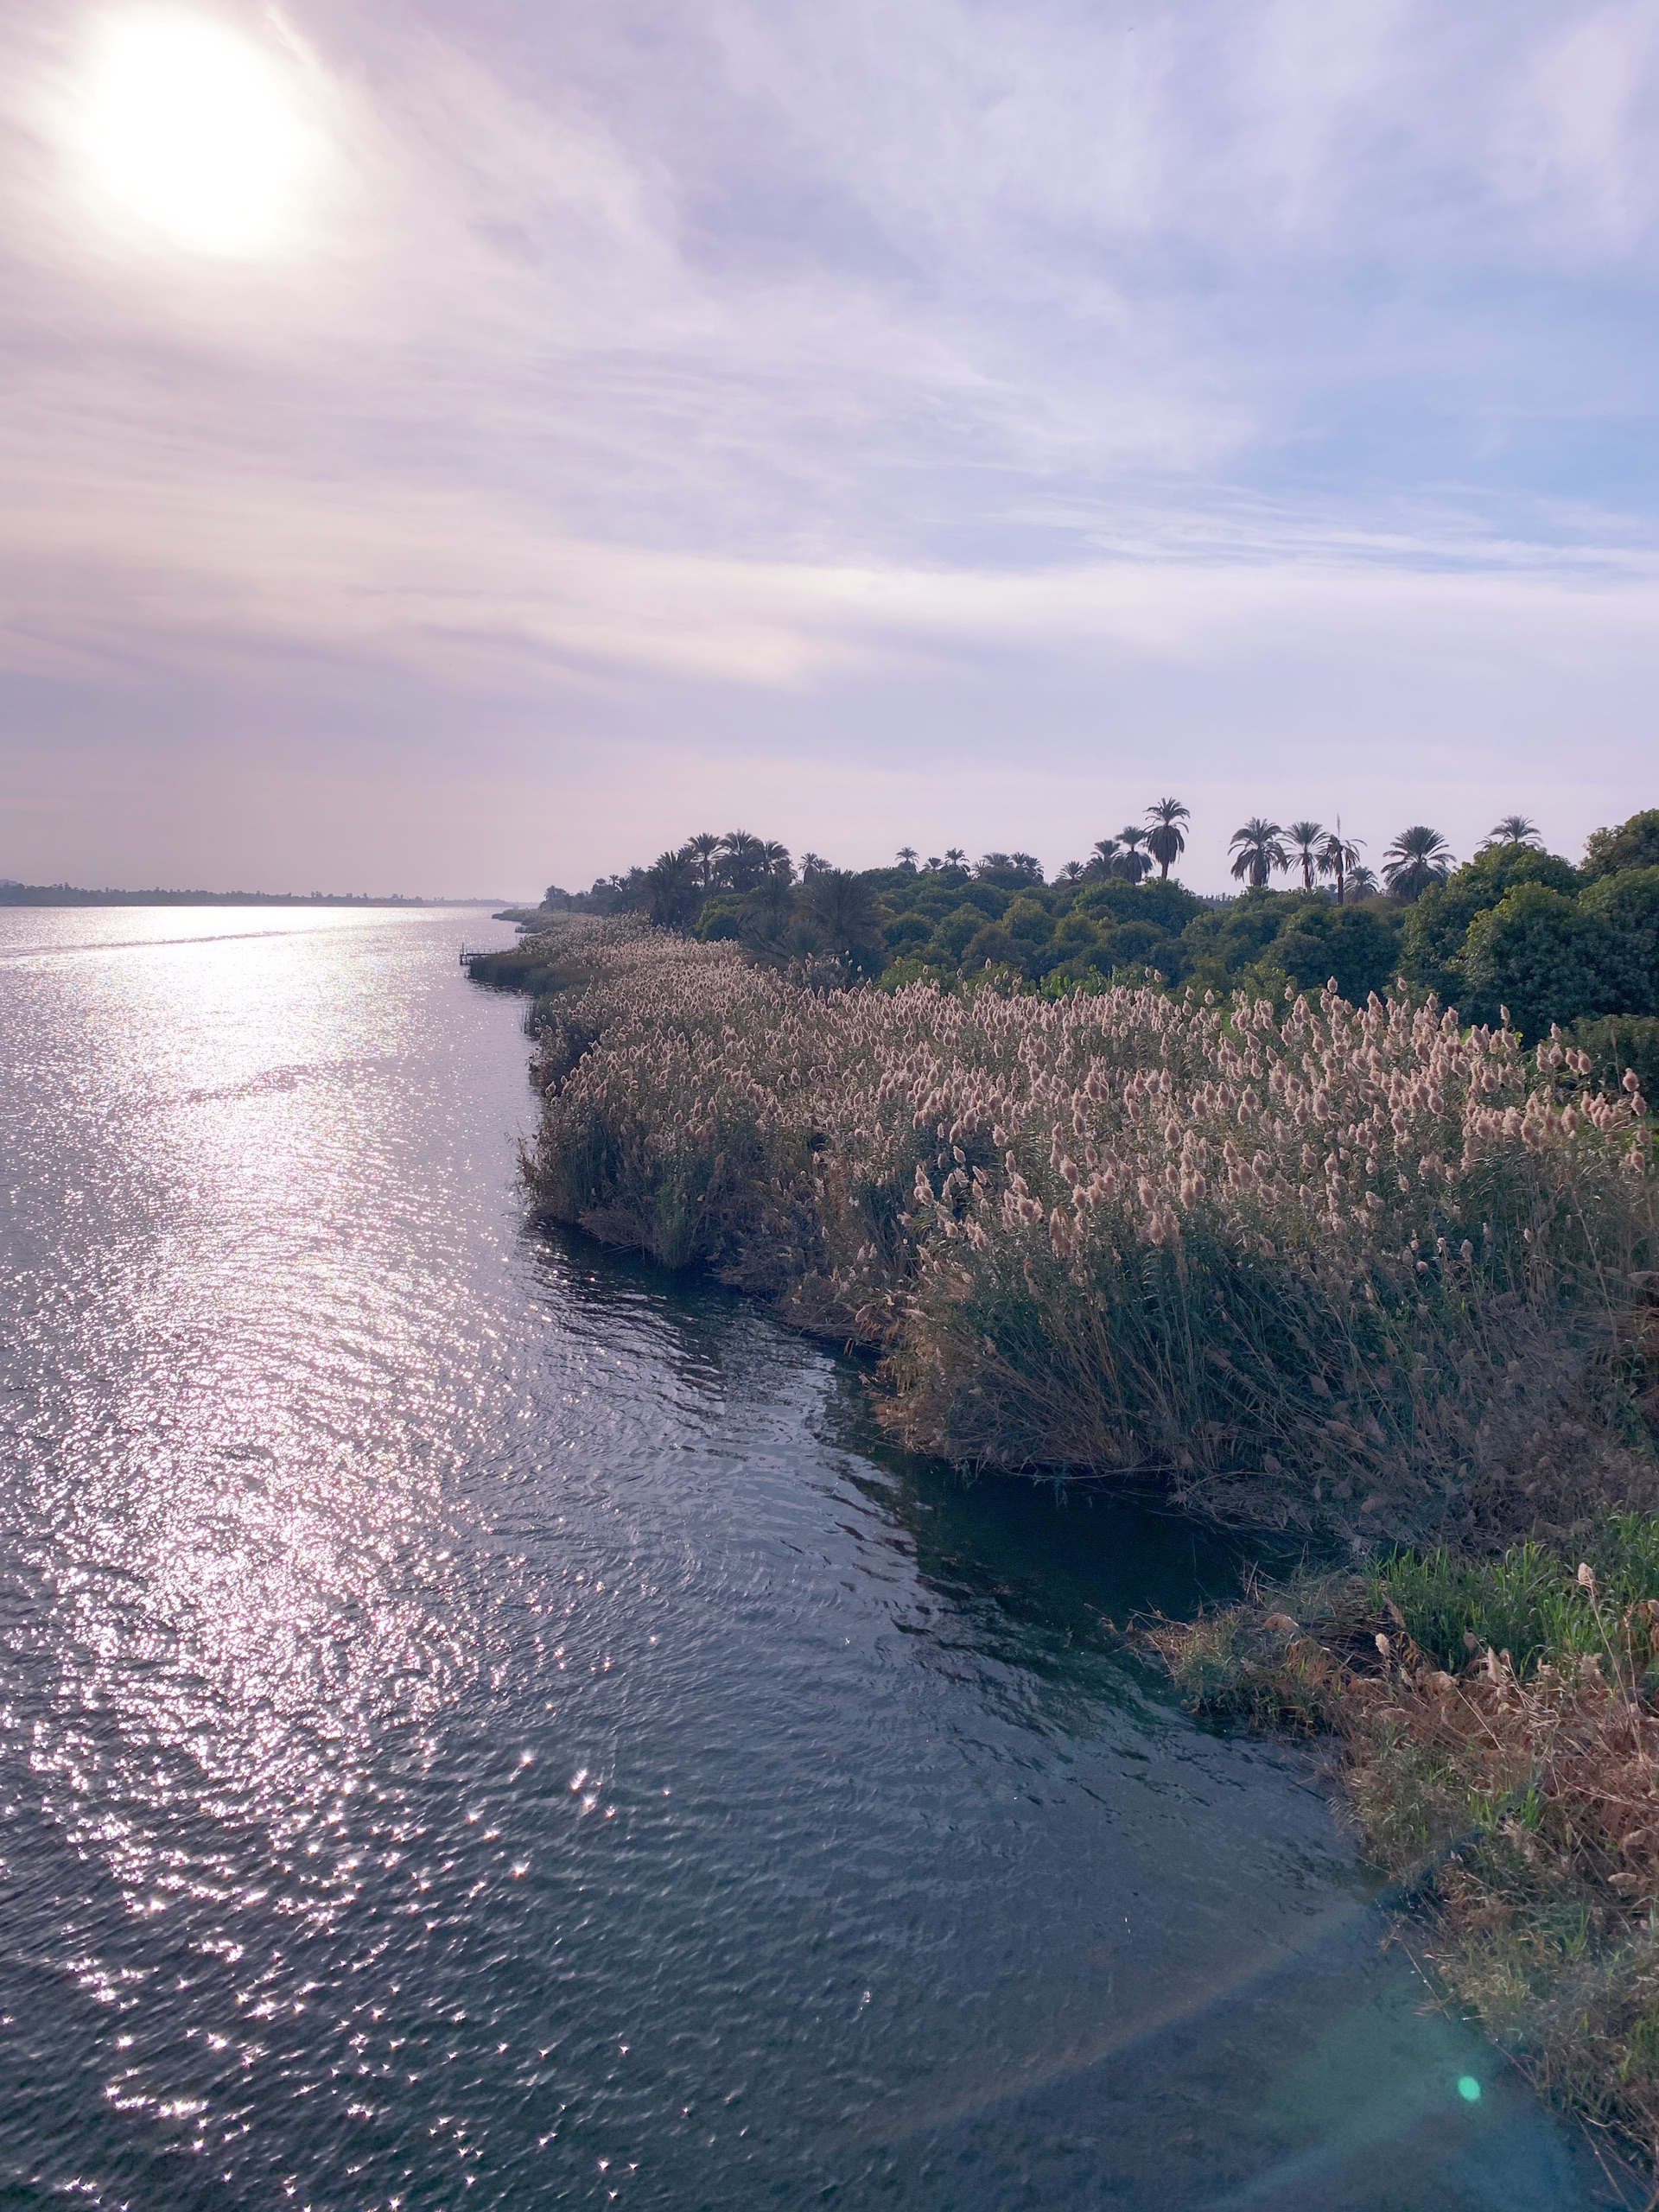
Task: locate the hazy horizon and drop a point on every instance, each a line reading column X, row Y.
column 518, row 440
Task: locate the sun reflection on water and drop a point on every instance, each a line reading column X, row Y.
column 243, row 1468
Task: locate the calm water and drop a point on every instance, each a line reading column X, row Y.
column 479, row 1726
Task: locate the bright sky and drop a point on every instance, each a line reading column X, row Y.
column 451, row 447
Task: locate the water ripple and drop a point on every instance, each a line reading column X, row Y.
column 482, row 1723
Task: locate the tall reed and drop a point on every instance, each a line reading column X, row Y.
column 1304, row 1261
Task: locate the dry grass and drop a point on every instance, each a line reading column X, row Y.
column 1515, row 1797
column 1309, row 1263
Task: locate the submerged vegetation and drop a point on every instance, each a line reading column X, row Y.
column 1223, row 1198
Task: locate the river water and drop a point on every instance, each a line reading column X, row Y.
column 484, row 1724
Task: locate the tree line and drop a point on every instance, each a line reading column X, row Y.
column 1515, row 927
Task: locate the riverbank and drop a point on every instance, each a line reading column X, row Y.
column 1351, row 1271
column 1498, row 1725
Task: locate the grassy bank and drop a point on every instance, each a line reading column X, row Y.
column 1299, row 1262
column 1500, row 1739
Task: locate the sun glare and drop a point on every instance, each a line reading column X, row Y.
column 187, row 128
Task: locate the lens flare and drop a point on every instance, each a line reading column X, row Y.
column 187, row 128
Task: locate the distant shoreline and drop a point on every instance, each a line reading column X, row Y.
column 66, row 894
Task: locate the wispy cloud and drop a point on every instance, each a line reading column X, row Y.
column 997, row 393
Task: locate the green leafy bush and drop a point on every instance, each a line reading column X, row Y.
column 991, row 946
column 949, row 940
column 1028, row 922
column 1438, row 924
column 1627, row 906
column 1634, row 843
column 721, row 918
column 1350, row 944
column 1165, row 903
column 1077, row 935
column 1542, row 955
column 907, row 933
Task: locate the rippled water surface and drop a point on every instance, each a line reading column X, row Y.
column 479, row 1726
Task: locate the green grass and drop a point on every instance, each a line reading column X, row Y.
column 1529, row 1603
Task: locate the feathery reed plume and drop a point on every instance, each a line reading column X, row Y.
column 1306, row 1261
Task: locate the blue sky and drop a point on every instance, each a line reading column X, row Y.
column 951, row 425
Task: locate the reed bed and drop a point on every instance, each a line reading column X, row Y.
column 1299, row 1261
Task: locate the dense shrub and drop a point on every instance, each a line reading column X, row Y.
column 951, row 938
column 1268, row 938
column 1546, row 957
column 1134, row 943
column 721, row 918
column 1077, row 935
column 1349, row 945
column 1029, row 922
column 990, row 947
column 1627, row 906
column 907, row 933
column 1634, row 843
column 1318, row 1261
column 1439, row 922
column 1165, row 903
column 1223, row 938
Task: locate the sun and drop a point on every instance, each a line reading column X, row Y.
column 187, row 128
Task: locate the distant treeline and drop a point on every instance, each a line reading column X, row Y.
column 1516, row 927
column 69, row 894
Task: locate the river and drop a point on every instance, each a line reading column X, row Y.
column 484, row 1724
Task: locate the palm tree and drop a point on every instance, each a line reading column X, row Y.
column 813, row 864
column 766, row 914
column 1105, row 852
column 842, row 915
column 1339, row 856
column 1131, row 862
column 1362, row 880
column 703, row 849
column 1303, row 841
column 775, row 859
column 1072, row 872
column 672, row 887
column 742, row 859
column 1164, row 840
column 1514, row 829
column 907, row 856
column 932, row 864
column 954, row 857
column 1418, row 857
column 1259, row 852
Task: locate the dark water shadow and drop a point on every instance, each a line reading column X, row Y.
column 1066, row 1558
column 1318, row 2079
